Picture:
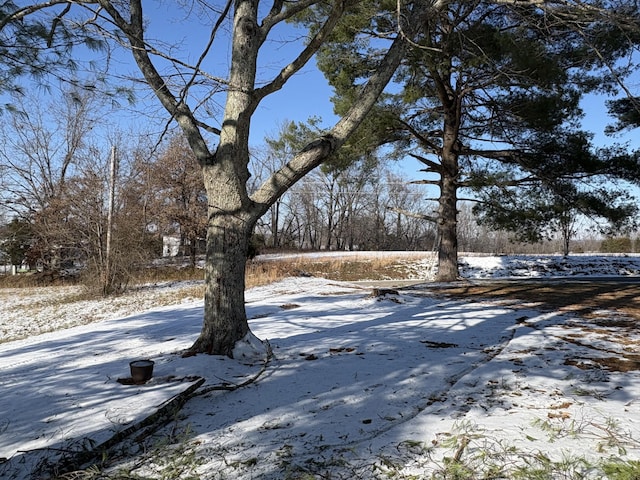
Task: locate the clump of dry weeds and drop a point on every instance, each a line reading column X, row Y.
column 348, row 269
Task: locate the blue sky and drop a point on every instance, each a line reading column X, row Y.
column 305, row 95
column 596, row 119
column 308, row 94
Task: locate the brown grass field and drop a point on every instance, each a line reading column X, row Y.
column 582, row 298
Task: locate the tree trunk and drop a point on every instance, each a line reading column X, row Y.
column 566, row 224
column 193, row 250
column 448, row 241
column 230, row 222
column 275, row 221
column 449, row 171
column 225, row 319
column 330, row 213
column 448, row 214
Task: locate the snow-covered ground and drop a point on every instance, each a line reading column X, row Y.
column 358, row 386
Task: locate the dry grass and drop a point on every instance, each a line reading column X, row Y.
column 36, row 279
column 264, row 271
column 261, row 272
column 23, row 296
column 258, row 272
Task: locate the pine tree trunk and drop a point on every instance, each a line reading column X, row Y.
column 447, row 231
column 448, row 209
column 448, row 251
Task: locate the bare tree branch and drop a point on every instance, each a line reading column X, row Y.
column 178, row 109
column 312, row 47
column 425, row 182
column 408, row 213
column 212, row 36
column 277, row 14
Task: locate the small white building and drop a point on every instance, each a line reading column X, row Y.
column 170, row 245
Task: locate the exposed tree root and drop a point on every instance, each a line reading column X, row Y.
column 231, row 387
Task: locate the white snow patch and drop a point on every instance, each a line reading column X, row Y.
column 250, row 349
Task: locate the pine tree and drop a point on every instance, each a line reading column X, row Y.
column 487, row 74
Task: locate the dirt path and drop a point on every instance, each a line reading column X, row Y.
column 582, row 298
column 608, row 311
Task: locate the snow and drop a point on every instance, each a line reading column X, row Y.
column 357, row 386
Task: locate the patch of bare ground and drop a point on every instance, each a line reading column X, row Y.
column 583, row 298
column 608, row 311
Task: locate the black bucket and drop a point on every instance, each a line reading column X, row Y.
column 141, row 370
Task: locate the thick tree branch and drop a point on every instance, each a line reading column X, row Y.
column 309, row 51
column 433, row 166
column 531, row 179
column 317, row 152
column 425, row 182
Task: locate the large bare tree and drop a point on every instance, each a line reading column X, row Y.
column 232, row 210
